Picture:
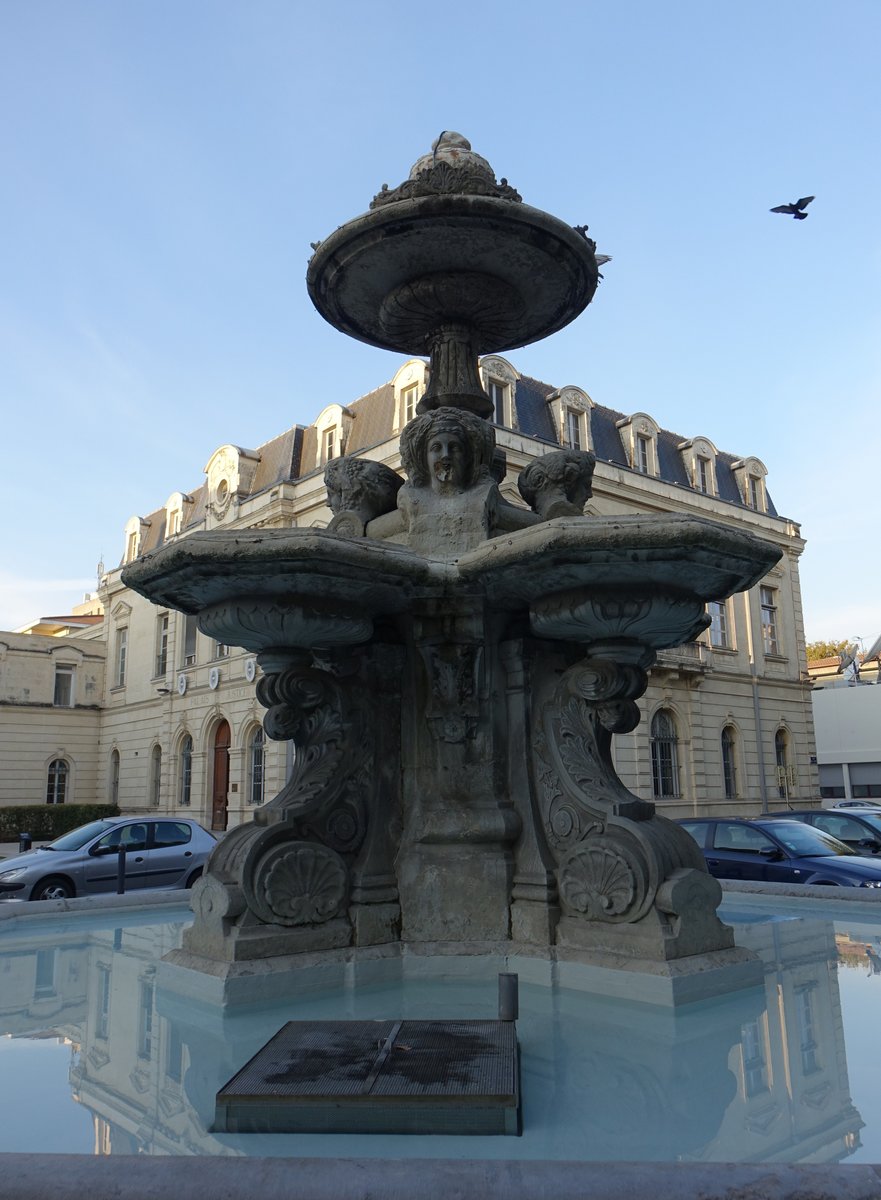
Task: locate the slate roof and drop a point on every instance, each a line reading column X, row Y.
column 290, row 455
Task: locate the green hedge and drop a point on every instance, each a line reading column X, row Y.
column 46, row 821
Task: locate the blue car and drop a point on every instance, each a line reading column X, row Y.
column 779, row 850
column 858, row 828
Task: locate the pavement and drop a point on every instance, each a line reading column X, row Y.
column 10, row 849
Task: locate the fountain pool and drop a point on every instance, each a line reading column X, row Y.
column 100, row 1052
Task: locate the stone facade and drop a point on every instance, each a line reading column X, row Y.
column 745, row 674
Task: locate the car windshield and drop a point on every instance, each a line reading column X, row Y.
column 871, row 818
column 78, row 837
column 802, row 841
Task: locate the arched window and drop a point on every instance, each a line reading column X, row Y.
column 185, row 780
column 781, row 758
column 56, row 784
column 155, row 775
column 665, row 756
column 114, row 778
column 255, row 767
column 729, row 762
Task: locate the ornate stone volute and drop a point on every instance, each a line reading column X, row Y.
column 293, row 867
column 618, row 862
column 558, row 484
column 358, row 490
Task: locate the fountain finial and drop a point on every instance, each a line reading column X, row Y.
column 450, row 167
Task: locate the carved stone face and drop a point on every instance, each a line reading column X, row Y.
column 447, row 458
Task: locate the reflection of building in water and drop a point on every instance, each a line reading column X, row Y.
column 793, row 1095
column 860, row 948
column 758, row 1077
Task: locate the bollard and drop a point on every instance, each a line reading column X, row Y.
column 24, row 843
column 509, row 997
column 120, row 871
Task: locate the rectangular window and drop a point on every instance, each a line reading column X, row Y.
column 102, row 1022
column 174, row 1054
column 703, row 475
column 131, row 548
column 770, row 640
column 63, row 687
column 221, row 650
column 573, row 429
column 642, row 455
column 328, row 444
column 161, row 644
column 755, row 1077
column 44, row 982
column 145, row 1021
column 755, row 493
column 121, row 655
column 497, row 396
column 190, row 627
column 718, row 612
column 806, row 1036
column 409, row 398
column 173, row 523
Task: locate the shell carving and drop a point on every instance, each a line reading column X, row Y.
column 301, row 884
column 597, row 881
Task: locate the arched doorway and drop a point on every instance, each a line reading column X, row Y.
column 220, row 776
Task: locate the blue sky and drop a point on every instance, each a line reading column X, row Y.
column 167, row 163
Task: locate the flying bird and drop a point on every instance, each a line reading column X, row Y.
column 795, row 210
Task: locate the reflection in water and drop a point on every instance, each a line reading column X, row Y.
column 759, row 1076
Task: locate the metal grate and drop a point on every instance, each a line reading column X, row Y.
column 378, row 1076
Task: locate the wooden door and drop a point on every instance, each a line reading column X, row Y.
column 220, row 776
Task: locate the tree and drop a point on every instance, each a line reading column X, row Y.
column 817, row 650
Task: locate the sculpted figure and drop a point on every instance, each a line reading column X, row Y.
column 358, row 491
column 558, row 484
column 450, row 498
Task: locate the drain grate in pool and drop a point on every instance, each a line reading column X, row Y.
column 378, row 1077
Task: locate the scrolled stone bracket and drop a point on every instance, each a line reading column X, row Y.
column 326, row 716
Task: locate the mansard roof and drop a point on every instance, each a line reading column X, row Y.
column 370, row 421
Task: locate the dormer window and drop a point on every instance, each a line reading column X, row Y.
column 409, row 384
column 230, row 474
column 332, row 428
column 177, row 506
column 639, row 434
column 500, row 381
column 573, row 429
column 699, row 458
column 409, row 400
column 135, row 529
column 570, row 409
column 750, row 474
column 702, row 474
column 496, row 392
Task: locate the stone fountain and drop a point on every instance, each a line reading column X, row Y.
column 450, row 666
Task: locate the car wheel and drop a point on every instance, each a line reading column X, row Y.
column 53, row 887
column 195, row 875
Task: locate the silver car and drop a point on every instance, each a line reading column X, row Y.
column 159, row 852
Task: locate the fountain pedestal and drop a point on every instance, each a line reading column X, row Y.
column 452, row 667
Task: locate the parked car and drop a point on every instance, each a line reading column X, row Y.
column 160, row 852
column 858, row 828
column 779, row 850
column 876, row 804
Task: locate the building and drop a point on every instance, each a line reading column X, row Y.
column 727, row 721
column 847, row 718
